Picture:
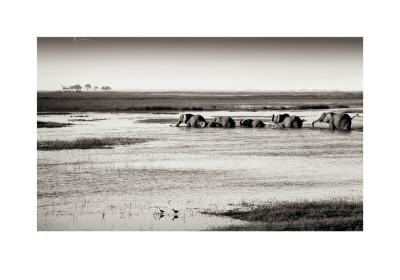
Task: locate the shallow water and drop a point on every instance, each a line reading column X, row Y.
column 188, row 169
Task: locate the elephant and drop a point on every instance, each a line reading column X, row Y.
column 206, row 124
column 292, row 122
column 192, row 120
column 202, row 124
column 224, row 122
column 251, row 123
column 211, row 124
column 336, row 120
column 279, row 118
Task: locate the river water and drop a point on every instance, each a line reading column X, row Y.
column 188, row 169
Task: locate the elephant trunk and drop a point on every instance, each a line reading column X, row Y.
column 319, row 120
column 315, row 122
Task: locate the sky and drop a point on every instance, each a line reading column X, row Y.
column 268, row 64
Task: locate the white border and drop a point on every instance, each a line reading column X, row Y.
column 193, row 255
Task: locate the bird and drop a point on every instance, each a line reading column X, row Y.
column 161, row 211
column 175, row 211
column 175, row 217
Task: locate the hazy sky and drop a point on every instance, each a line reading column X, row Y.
column 202, row 63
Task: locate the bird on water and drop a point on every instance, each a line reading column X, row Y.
column 175, row 211
column 161, row 211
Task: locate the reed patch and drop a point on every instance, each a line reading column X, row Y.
column 321, row 215
column 87, row 143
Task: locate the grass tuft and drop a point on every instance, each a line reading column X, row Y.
column 159, row 121
column 51, row 124
column 324, row 215
column 87, row 143
column 53, row 113
column 86, row 120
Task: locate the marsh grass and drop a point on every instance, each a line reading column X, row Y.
column 53, row 113
column 352, row 111
column 324, row 215
column 87, row 143
column 160, row 121
column 52, row 124
column 86, row 120
column 192, row 101
column 306, row 107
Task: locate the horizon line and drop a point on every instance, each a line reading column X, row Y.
column 222, row 90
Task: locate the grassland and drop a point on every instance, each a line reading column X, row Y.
column 115, row 101
column 52, row 124
column 87, row 143
column 321, row 215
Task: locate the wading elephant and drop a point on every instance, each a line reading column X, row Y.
column 206, row 124
column 224, row 122
column 202, row 124
column 192, row 120
column 292, row 122
column 335, row 120
column 211, row 124
column 251, row 123
column 279, row 118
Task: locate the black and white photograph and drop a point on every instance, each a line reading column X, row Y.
column 194, row 134
column 199, row 140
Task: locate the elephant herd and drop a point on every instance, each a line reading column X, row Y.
column 335, row 120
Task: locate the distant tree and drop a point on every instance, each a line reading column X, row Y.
column 95, row 88
column 76, row 87
column 87, row 87
column 105, row 88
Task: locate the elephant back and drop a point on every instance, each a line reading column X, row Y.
column 185, row 117
column 225, row 121
column 230, row 122
column 282, row 117
column 258, row 123
column 200, row 118
column 246, row 123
